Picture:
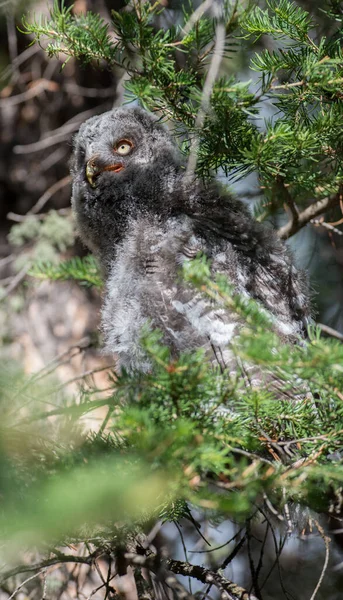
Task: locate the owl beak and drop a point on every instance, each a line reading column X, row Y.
column 93, row 169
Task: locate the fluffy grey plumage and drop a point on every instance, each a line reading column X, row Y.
column 136, row 211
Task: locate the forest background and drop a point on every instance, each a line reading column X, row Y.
column 112, row 486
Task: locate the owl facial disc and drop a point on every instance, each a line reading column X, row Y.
column 93, row 170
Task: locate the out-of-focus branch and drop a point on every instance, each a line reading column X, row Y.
column 37, row 88
column 228, row 589
column 60, row 134
column 331, row 332
column 15, row 282
column 59, row 559
column 21, row 58
column 48, row 194
column 11, row 216
column 289, row 203
column 211, row 76
column 309, row 213
column 196, row 16
column 12, row 38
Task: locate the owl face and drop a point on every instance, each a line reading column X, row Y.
column 124, row 164
column 112, row 147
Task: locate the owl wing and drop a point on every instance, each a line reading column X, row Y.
column 273, row 280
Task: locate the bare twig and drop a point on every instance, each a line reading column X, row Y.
column 74, row 88
column 206, row 96
column 327, row 541
column 15, row 282
column 7, row 260
column 11, row 216
column 176, row 586
column 250, row 455
column 45, row 581
column 309, row 213
column 12, row 38
column 84, row 375
column 39, row 87
column 329, row 226
column 59, row 559
column 52, row 159
column 289, row 203
column 217, row 547
column 25, row 582
column 271, row 508
column 144, row 590
column 93, row 592
column 228, row 589
column 21, row 58
column 196, row 16
column 330, row 331
column 5, row 3
column 60, row 134
column 51, row 191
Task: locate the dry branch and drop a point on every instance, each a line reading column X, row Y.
column 228, row 589
column 309, row 213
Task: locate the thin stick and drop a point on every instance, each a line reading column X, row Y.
column 330, row 331
column 24, row 583
column 326, row 561
column 228, row 589
column 12, row 38
column 196, row 16
column 60, row 559
column 329, row 226
column 15, row 282
column 312, row 211
column 32, row 92
column 206, row 97
column 59, row 134
column 85, row 374
column 51, row 191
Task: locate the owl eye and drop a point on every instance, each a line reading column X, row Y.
column 124, row 147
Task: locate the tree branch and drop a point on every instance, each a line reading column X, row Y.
column 289, row 203
column 309, row 213
column 229, row 590
column 60, row 558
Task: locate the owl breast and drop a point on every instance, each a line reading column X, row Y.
column 145, row 290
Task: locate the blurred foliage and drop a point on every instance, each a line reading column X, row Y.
column 84, row 270
column 200, row 436
column 47, row 237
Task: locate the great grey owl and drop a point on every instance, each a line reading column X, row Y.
column 139, row 214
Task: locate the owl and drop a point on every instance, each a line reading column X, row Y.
column 144, row 219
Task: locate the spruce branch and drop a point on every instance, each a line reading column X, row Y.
column 282, row 19
column 84, row 270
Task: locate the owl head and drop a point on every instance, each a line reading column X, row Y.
column 124, row 163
